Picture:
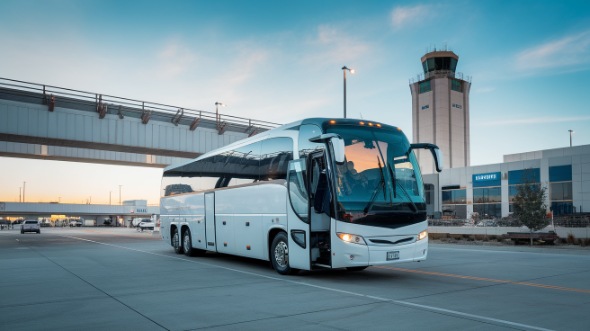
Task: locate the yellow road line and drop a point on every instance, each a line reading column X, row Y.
column 491, row 280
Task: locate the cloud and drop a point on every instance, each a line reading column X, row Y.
column 174, row 59
column 402, row 16
column 332, row 45
column 534, row 120
column 567, row 52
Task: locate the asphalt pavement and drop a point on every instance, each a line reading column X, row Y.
column 121, row 279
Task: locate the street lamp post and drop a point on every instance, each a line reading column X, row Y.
column 344, row 70
column 571, row 131
column 24, row 185
column 120, row 194
column 217, row 104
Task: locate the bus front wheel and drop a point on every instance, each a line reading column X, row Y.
column 279, row 254
column 176, row 242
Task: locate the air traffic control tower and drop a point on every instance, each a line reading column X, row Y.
column 440, row 110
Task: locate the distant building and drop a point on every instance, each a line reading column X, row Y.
column 440, row 110
column 488, row 190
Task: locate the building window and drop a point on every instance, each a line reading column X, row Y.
column 425, row 107
column 454, row 203
column 560, row 190
column 488, row 210
column 456, row 85
column 487, row 195
column 458, row 106
column 424, row 86
column 428, row 193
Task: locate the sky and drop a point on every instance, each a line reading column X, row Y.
column 280, row 61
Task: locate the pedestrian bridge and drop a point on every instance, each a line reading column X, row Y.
column 118, row 214
column 55, row 123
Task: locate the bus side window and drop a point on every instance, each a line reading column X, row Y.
column 275, row 156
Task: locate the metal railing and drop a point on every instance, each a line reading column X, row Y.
column 439, row 74
column 145, row 109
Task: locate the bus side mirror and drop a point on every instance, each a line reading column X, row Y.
column 338, row 147
column 335, row 141
column 436, row 153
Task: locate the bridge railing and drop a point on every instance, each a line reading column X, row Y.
column 145, row 109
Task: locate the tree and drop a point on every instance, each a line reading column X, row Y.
column 529, row 206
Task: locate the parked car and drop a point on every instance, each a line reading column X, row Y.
column 145, row 224
column 75, row 224
column 30, row 226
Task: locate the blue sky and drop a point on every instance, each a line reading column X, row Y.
column 529, row 62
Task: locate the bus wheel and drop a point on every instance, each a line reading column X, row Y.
column 176, row 243
column 279, row 254
column 187, row 245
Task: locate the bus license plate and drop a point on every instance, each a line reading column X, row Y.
column 393, row 255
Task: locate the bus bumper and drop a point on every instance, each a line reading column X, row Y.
column 355, row 255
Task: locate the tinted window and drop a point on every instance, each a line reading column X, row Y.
column 305, row 133
column 275, row 155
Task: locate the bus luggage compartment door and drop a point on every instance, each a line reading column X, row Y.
column 210, row 221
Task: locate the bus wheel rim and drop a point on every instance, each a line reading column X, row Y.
column 282, row 254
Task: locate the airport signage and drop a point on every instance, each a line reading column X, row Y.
column 487, row 179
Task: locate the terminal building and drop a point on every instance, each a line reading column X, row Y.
column 488, row 190
column 440, row 115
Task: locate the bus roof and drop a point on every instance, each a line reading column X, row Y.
column 285, row 131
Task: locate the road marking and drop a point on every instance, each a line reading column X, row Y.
column 491, row 280
column 448, row 312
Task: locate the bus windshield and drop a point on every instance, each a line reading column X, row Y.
column 379, row 182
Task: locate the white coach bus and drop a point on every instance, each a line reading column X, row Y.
column 317, row 193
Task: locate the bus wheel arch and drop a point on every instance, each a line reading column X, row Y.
column 279, row 254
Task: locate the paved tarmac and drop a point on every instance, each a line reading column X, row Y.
column 120, row 279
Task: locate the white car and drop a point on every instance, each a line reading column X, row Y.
column 30, row 226
column 75, row 224
column 145, row 224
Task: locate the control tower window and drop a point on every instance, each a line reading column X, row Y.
column 456, row 85
column 425, row 86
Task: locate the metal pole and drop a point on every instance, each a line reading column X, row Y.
column 571, row 131
column 24, row 185
column 344, row 72
column 120, row 194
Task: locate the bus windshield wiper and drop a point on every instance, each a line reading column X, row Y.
column 381, row 185
column 412, row 204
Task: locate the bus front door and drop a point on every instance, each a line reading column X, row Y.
column 320, row 209
column 298, row 217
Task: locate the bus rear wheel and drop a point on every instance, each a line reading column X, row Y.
column 187, row 245
column 279, row 255
column 176, row 242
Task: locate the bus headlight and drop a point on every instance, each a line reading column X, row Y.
column 351, row 238
column 423, row 235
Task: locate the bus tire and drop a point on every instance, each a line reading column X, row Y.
column 176, row 243
column 187, row 244
column 279, row 255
